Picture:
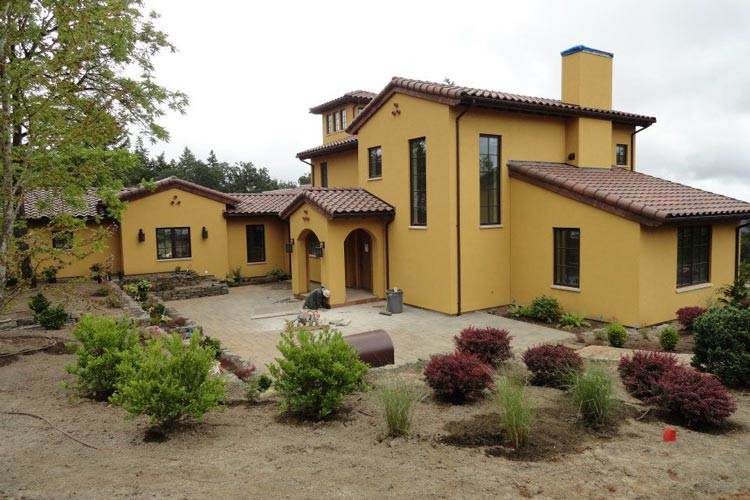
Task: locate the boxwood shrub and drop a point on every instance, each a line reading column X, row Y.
column 722, row 344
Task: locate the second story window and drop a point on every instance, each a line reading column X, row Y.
column 418, row 181
column 337, row 122
column 376, row 162
column 489, row 179
column 343, row 119
column 324, row 174
column 621, row 155
column 329, row 123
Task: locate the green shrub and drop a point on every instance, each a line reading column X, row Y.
column 668, row 338
column 315, row 372
column 516, row 311
column 398, row 400
column 722, row 344
column 213, row 344
column 571, row 320
column 545, row 309
column 52, row 318
column 38, row 303
column 617, row 335
column 168, row 381
column 516, row 411
column 737, row 294
column 257, row 385
column 139, row 291
column 592, row 392
column 114, row 301
column 103, row 342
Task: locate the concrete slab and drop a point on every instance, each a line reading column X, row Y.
column 608, row 353
column 416, row 333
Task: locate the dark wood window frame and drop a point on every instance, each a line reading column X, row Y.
column 256, row 250
column 174, row 239
column 417, row 192
column 693, row 255
column 62, row 240
column 343, row 119
column 312, row 242
column 329, row 123
column 567, row 257
column 487, row 217
column 375, row 166
column 324, row 174
column 621, row 155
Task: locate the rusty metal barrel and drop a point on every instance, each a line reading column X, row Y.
column 374, row 347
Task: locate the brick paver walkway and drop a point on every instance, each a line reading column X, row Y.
column 416, row 333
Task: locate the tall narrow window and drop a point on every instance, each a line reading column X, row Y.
column 418, row 181
column 621, row 154
column 489, row 179
column 324, row 174
column 337, row 121
column 173, row 243
column 256, row 243
column 343, row 119
column 693, row 255
column 568, row 257
column 376, row 162
column 312, row 244
column 329, row 123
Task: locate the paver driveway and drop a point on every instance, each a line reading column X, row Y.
column 416, row 333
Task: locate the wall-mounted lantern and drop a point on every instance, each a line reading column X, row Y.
column 289, row 246
column 141, row 236
column 319, row 249
column 204, row 233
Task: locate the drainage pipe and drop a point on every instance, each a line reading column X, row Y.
column 632, row 146
column 312, row 171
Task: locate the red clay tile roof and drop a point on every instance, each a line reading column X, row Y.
column 453, row 95
column 354, row 97
column 646, row 199
column 47, row 203
column 344, row 144
column 268, row 203
column 337, row 203
column 174, row 182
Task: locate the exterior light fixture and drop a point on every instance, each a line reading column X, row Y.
column 319, row 249
column 289, row 246
column 204, row 233
column 141, row 236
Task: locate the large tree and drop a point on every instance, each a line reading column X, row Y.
column 76, row 77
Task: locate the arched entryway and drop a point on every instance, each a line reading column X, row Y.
column 358, row 261
column 308, row 243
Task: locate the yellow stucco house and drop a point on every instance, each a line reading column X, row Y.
column 464, row 198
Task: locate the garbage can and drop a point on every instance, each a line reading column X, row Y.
column 394, row 300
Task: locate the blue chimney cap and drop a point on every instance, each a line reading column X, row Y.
column 583, row 48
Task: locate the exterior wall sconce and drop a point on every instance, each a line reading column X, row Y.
column 571, row 156
column 141, row 236
column 289, row 246
column 204, row 233
column 319, row 249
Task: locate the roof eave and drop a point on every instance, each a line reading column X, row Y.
column 700, row 219
column 309, row 154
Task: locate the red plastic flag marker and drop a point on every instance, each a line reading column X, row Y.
column 669, row 435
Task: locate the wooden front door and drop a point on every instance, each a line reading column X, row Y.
column 358, row 260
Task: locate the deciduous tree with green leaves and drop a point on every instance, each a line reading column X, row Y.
column 76, row 76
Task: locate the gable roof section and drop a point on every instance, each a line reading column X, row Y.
column 353, row 97
column 453, row 95
column 344, row 144
column 337, row 203
column 131, row 194
column 639, row 197
column 47, row 203
column 268, row 203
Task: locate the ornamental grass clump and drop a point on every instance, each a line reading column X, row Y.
column 516, row 411
column 551, row 365
column 490, row 345
column 592, row 392
column 169, row 381
column 458, row 377
column 398, row 400
column 103, row 344
column 316, row 371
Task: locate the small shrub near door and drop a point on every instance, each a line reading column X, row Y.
column 315, row 371
column 490, row 345
column 168, row 381
column 617, row 335
column 668, row 338
column 641, row 372
column 569, row 321
column 722, row 344
column 103, row 343
column 592, row 392
column 551, row 365
column 516, row 411
column 687, row 316
column 52, row 318
column 545, row 309
column 457, row 377
column 398, row 400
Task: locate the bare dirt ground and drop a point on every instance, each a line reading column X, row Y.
column 77, row 296
column 251, row 451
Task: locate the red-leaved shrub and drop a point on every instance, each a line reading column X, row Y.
column 490, row 345
column 551, row 365
column 697, row 398
column 457, row 377
column 641, row 372
column 686, row 315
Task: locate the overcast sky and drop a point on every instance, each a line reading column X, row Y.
column 252, row 70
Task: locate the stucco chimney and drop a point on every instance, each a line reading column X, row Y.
column 587, row 77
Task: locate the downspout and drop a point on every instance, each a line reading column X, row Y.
column 289, row 239
column 312, row 171
column 458, row 208
column 632, row 146
column 387, row 255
